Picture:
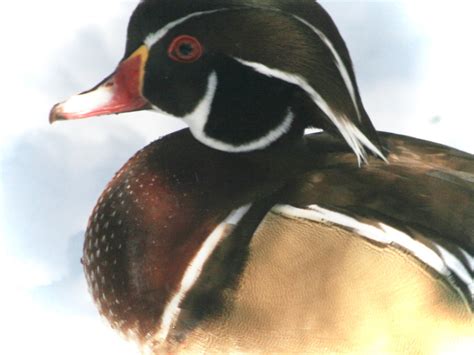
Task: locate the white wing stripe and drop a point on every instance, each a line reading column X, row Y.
column 444, row 263
column 469, row 258
column 192, row 273
column 455, row 265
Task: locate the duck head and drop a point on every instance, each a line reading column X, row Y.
column 242, row 74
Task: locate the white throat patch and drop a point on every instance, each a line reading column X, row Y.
column 197, row 119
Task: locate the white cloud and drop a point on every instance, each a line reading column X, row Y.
column 414, row 65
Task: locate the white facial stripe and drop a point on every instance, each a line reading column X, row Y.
column 309, row 131
column 446, row 264
column 353, row 136
column 192, row 273
column 338, row 61
column 198, row 117
column 155, row 37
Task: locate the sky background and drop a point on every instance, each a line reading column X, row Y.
column 413, row 60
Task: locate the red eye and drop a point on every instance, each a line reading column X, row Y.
column 185, row 49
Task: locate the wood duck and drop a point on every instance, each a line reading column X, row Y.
column 243, row 234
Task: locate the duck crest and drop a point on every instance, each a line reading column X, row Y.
column 240, row 51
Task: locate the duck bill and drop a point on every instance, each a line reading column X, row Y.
column 118, row 93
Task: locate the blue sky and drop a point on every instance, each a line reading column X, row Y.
column 414, row 65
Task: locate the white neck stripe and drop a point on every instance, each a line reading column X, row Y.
column 444, row 263
column 338, row 61
column 353, row 136
column 192, row 273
